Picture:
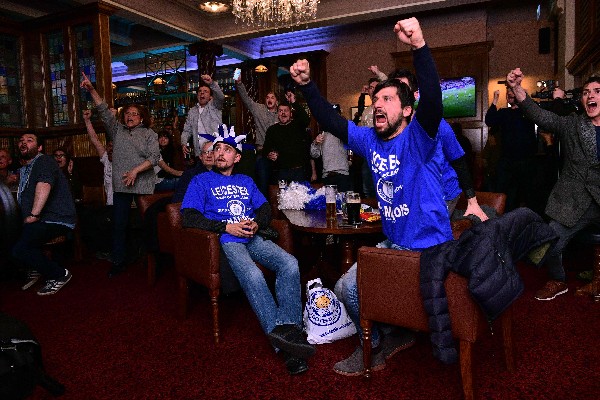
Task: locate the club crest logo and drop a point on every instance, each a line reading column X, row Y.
column 325, row 308
column 236, row 208
column 385, row 190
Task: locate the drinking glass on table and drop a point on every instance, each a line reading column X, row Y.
column 353, row 207
column 330, row 197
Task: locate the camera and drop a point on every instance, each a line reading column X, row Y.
column 545, row 89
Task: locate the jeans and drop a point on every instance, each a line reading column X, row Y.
column 28, row 248
column 556, row 270
column 121, row 208
column 286, row 308
column 166, row 184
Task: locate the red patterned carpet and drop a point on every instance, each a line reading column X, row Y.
column 120, row 339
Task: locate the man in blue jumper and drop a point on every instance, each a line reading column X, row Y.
column 233, row 206
column 406, row 161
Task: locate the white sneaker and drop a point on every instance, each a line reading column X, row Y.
column 54, row 285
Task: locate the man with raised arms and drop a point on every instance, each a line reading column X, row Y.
column 406, row 162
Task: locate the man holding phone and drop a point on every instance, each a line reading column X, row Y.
column 205, row 117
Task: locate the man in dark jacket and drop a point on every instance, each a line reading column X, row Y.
column 48, row 210
column 575, row 200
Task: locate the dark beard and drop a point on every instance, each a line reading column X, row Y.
column 390, row 131
column 29, row 154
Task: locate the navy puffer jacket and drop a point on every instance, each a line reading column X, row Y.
column 486, row 255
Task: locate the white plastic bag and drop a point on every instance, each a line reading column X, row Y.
column 325, row 317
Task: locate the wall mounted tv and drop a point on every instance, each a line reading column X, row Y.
column 458, row 97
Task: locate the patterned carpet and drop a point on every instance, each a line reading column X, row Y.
column 120, row 339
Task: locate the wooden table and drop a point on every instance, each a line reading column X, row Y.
column 315, row 222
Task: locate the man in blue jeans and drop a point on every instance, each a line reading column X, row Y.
column 233, row 206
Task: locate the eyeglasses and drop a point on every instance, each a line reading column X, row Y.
column 132, row 114
column 207, row 152
column 60, row 155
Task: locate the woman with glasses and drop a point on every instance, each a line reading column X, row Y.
column 65, row 163
column 135, row 153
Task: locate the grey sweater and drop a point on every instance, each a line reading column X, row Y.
column 263, row 118
column 335, row 156
column 131, row 148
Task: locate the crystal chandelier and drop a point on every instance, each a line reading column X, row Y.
column 274, row 13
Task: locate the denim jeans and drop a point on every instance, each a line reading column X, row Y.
column 286, row 308
column 346, row 290
column 556, row 270
column 28, row 248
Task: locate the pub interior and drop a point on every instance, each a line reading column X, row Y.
column 147, row 342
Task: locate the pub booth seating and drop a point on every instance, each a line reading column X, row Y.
column 388, row 284
column 197, row 259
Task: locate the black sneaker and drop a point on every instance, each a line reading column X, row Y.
column 32, row 278
column 54, row 285
column 295, row 365
column 291, row 339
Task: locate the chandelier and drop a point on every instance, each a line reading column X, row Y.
column 274, row 13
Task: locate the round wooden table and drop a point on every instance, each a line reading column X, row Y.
column 315, row 222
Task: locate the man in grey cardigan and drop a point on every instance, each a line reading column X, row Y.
column 575, row 200
column 205, row 117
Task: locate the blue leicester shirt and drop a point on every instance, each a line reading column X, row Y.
column 407, row 173
column 452, row 151
column 229, row 199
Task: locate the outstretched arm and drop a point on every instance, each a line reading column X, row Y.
column 322, row 110
column 430, row 110
column 92, row 133
column 87, row 85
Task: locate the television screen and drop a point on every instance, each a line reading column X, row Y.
column 458, row 97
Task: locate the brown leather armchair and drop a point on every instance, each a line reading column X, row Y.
column 197, row 256
column 388, row 284
column 165, row 239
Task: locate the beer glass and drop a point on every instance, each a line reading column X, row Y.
column 330, row 197
column 353, row 207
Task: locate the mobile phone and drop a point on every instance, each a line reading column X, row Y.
column 237, row 74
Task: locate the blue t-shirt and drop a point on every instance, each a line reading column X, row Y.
column 229, row 199
column 407, row 173
column 452, row 150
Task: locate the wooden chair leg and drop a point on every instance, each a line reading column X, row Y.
column 214, row 301
column 151, row 261
column 366, row 326
column 466, row 371
column 183, row 297
column 509, row 355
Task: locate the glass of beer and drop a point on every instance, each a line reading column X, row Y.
column 330, row 197
column 353, row 207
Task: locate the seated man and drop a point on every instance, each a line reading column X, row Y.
column 406, row 161
column 49, row 212
column 231, row 205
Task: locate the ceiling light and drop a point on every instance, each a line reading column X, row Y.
column 213, row 7
column 261, row 68
column 274, row 13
